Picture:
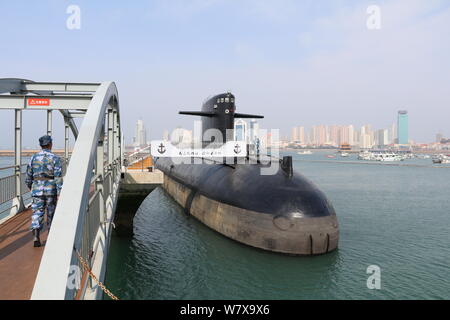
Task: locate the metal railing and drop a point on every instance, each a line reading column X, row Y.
column 85, row 211
column 139, row 155
column 9, row 191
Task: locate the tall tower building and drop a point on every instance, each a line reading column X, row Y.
column 166, row 135
column 294, row 134
column 240, row 130
column 335, row 135
column 140, row 134
column 346, row 135
column 356, row 138
column 393, row 134
column 254, row 131
column 301, row 135
column 402, row 125
column 382, row 138
column 351, row 134
column 318, row 135
column 366, row 137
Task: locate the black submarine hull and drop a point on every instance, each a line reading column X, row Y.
column 279, row 213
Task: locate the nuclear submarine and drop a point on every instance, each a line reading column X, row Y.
column 282, row 212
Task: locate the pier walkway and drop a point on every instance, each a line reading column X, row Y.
column 19, row 261
column 78, row 243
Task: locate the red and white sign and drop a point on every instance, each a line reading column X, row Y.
column 38, row 102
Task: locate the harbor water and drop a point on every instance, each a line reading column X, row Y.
column 396, row 217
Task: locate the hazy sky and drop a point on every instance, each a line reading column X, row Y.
column 296, row 62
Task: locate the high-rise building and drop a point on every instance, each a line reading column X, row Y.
column 382, row 137
column 366, row 137
column 351, row 134
column 298, row 135
column 402, row 125
column 318, row 135
column 393, row 134
column 240, row 130
column 356, row 137
column 346, row 135
column 294, row 134
column 254, row 131
column 166, row 135
column 301, row 135
column 439, row 137
column 334, row 136
column 140, row 134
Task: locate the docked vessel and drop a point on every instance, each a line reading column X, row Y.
column 441, row 159
column 380, row 156
column 282, row 212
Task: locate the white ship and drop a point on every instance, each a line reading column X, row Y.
column 441, row 159
column 380, row 156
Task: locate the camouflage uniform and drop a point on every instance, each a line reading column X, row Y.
column 44, row 178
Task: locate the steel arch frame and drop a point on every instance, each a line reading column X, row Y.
column 76, row 218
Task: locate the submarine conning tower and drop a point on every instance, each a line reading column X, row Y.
column 219, row 113
column 283, row 212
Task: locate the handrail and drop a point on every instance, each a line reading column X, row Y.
column 138, row 152
column 13, row 166
column 71, row 229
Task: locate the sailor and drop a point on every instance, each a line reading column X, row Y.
column 44, row 179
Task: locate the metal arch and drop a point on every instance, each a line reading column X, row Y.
column 70, row 122
column 58, row 257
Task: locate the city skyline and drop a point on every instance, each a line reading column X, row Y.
column 365, row 137
column 380, row 134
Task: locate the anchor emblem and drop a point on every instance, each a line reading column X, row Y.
column 237, row 149
column 161, row 148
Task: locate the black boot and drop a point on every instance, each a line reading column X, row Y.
column 37, row 241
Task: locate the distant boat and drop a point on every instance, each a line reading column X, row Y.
column 330, row 156
column 380, row 156
column 305, row 152
column 441, row 159
column 345, row 154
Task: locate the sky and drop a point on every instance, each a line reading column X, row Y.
column 299, row 63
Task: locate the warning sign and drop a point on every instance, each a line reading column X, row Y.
column 38, row 102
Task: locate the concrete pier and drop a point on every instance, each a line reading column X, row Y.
column 135, row 186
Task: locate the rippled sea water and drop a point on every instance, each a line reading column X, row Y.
column 396, row 217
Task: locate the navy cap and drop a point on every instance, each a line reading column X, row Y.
column 45, row 140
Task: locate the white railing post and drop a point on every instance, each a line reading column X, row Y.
column 110, row 136
column 100, row 172
column 116, row 136
column 49, row 122
column 18, row 161
column 66, row 141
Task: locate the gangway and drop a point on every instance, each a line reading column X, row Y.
column 82, row 225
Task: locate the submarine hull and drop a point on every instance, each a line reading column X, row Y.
column 271, row 212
